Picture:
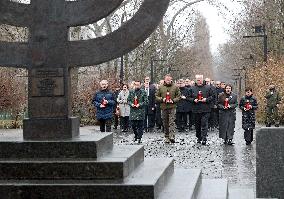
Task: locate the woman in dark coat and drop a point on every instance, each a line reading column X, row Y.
column 248, row 105
column 137, row 100
column 227, row 103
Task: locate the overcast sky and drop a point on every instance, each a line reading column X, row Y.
column 217, row 23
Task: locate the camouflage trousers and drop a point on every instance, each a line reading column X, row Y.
column 168, row 117
column 272, row 115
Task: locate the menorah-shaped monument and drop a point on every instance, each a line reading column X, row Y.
column 48, row 55
column 52, row 161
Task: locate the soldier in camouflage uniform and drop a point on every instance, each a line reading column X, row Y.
column 273, row 99
column 138, row 101
column 168, row 95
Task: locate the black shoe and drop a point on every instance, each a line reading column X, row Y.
column 135, row 139
column 276, row 125
column 230, row 142
column 139, row 141
column 172, row 140
column 203, row 142
column 268, row 125
column 225, row 141
column 198, row 141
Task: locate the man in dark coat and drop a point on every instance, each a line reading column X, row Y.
column 182, row 106
column 219, row 89
column 212, row 118
column 149, row 121
column 190, row 115
column 158, row 113
column 137, row 100
column 116, row 117
column 248, row 105
column 104, row 101
column 201, row 96
column 227, row 103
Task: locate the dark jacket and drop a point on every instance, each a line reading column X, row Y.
column 201, row 107
column 248, row 117
column 233, row 101
column 184, row 105
column 151, row 99
column 219, row 91
column 227, row 117
column 189, row 103
column 215, row 96
column 137, row 113
column 107, row 112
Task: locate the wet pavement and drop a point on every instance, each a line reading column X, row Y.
column 236, row 163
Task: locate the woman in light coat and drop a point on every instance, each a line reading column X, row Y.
column 124, row 108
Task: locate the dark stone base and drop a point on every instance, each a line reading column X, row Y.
column 84, row 191
column 270, row 163
column 146, row 182
column 51, row 128
column 87, row 145
column 113, row 166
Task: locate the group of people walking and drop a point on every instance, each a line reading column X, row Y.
column 203, row 104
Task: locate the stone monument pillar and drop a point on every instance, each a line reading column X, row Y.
column 48, row 54
column 49, row 99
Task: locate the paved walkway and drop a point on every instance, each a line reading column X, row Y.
column 235, row 163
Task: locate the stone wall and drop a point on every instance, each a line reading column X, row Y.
column 270, row 163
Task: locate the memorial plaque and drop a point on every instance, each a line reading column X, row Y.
column 47, row 82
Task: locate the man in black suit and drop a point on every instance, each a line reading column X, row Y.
column 150, row 90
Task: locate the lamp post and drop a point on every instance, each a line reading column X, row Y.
column 170, row 69
column 261, row 29
column 152, row 70
column 121, row 73
column 238, row 77
column 152, row 67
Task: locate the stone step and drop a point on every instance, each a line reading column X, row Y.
column 213, row 189
column 89, row 144
column 145, row 182
column 183, row 184
column 117, row 164
column 241, row 193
